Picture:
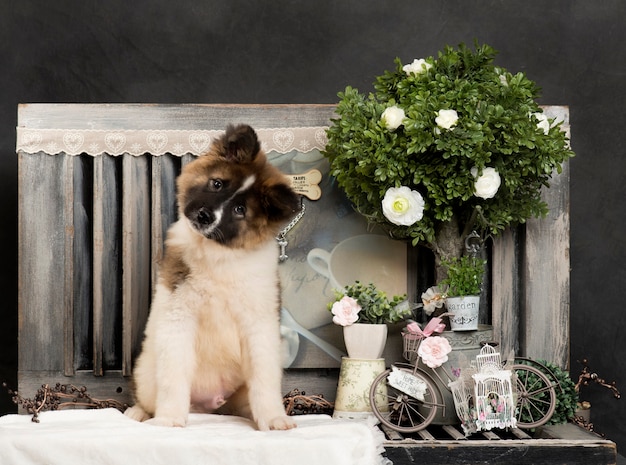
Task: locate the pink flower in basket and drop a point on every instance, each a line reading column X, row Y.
column 434, row 351
column 345, row 311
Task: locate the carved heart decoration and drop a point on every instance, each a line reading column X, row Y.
column 156, row 141
column 115, row 141
column 283, row 139
column 31, row 140
column 321, row 138
column 199, row 141
column 73, row 141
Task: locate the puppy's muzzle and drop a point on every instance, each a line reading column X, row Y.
column 205, row 217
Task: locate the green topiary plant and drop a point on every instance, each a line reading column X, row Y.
column 445, row 146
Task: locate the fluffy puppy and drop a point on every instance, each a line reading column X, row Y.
column 212, row 340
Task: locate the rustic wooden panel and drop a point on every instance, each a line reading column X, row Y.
column 134, row 203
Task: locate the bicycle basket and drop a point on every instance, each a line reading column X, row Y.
column 411, row 343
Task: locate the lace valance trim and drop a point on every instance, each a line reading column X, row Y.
column 158, row 142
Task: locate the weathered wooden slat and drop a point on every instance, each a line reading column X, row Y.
column 454, row 433
column 391, row 434
column 425, row 435
column 546, row 273
column 71, row 180
column 520, row 434
column 42, row 285
column 505, row 452
column 135, row 254
column 506, row 290
column 106, row 322
column 490, row 435
column 184, row 117
column 99, row 222
column 78, row 263
column 114, row 384
column 546, row 278
column 164, row 172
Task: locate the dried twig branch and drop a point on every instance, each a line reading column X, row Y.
column 586, row 377
column 61, row 396
column 297, row 403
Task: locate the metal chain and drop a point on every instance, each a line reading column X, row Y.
column 282, row 239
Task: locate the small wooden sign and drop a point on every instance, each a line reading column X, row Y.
column 307, row 184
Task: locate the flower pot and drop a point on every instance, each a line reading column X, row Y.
column 365, row 341
column 464, row 312
column 353, row 389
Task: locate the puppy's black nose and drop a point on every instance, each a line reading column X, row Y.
column 205, row 216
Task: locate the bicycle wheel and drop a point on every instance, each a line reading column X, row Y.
column 401, row 411
column 536, row 399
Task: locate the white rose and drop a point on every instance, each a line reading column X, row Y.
column 417, row 67
column 544, row 123
column 403, row 206
column 446, row 118
column 487, row 184
column 392, row 117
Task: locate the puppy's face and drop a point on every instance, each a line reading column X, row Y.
column 232, row 195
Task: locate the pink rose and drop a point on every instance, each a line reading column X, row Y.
column 345, row 311
column 434, row 351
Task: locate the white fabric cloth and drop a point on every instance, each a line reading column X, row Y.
column 108, row 437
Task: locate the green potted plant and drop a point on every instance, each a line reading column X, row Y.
column 364, row 312
column 445, row 146
column 459, row 291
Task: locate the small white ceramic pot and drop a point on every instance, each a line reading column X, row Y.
column 365, row 341
column 464, row 312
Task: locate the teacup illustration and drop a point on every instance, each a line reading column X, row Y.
column 368, row 258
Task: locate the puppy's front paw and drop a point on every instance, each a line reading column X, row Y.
column 136, row 413
column 279, row 423
column 179, row 422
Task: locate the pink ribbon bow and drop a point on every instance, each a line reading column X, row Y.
column 434, row 326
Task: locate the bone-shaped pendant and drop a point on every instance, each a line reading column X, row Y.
column 307, row 184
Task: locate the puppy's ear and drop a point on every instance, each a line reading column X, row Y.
column 239, row 144
column 280, row 202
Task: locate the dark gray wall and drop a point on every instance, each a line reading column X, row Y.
column 305, row 52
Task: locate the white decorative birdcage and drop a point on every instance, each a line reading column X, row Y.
column 483, row 395
column 463, row 394
column 493, row 391
column 488, row 360
column 493, row 398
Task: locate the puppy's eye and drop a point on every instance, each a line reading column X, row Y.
column 216, row 185
column 239, row 211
